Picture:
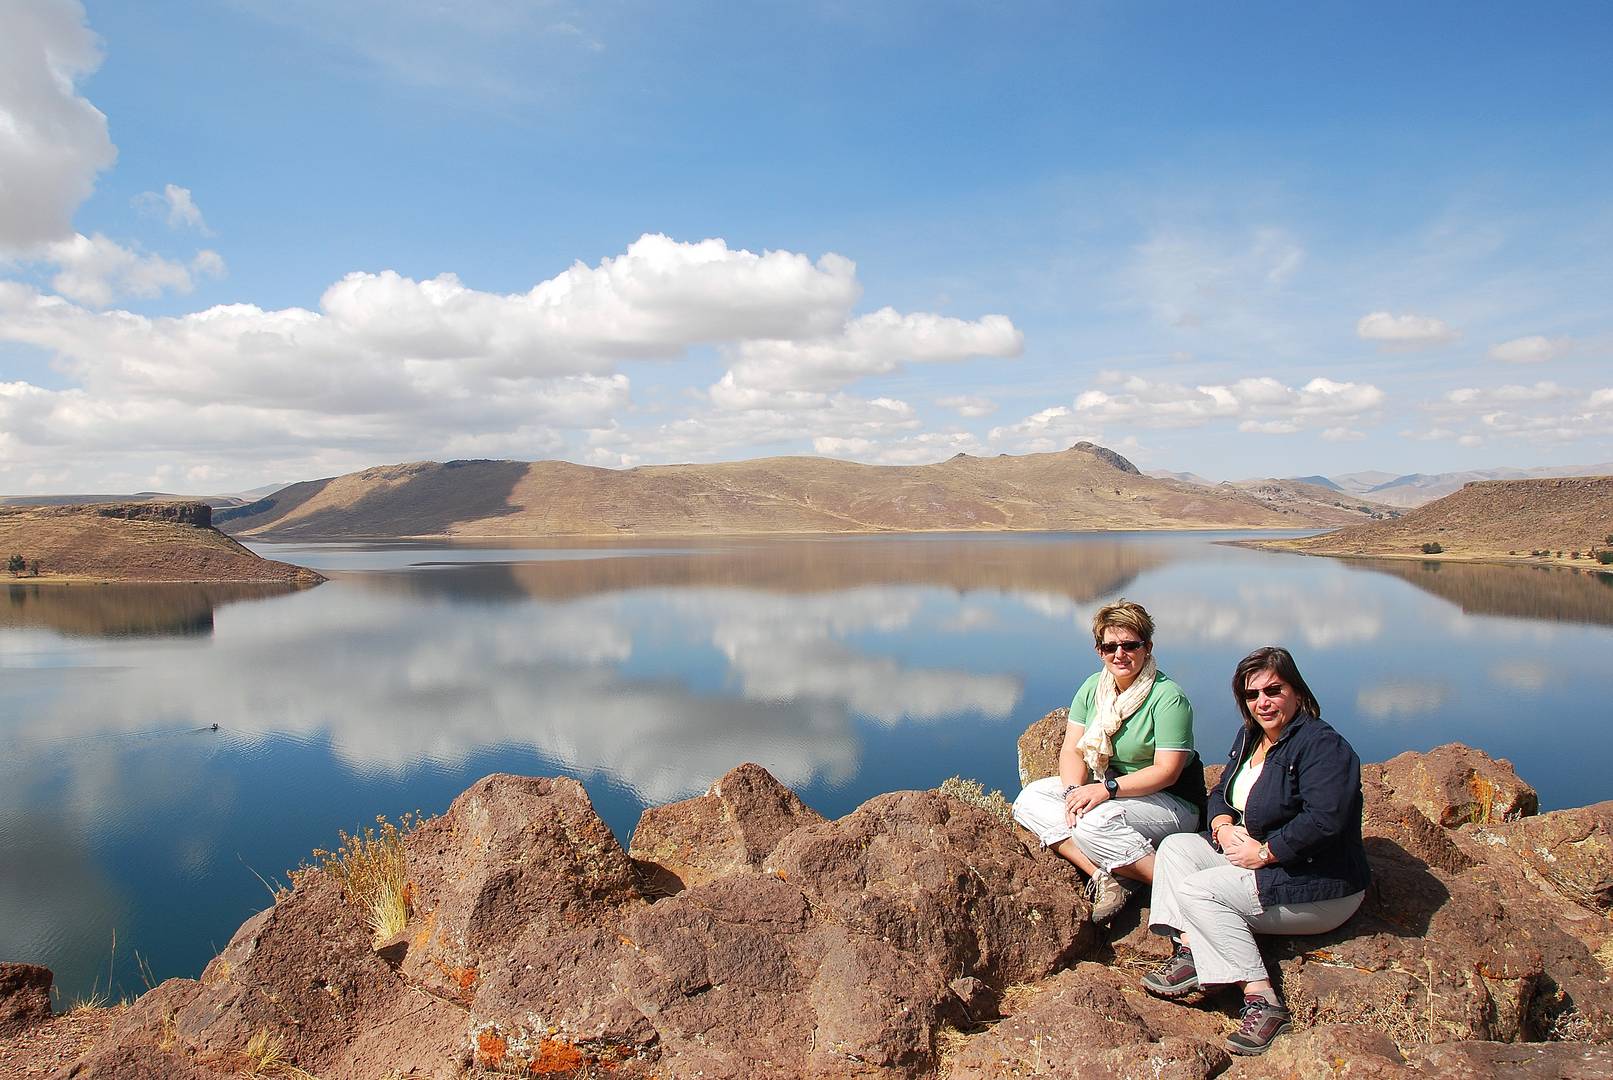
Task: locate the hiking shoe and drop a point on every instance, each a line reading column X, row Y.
column 1175, row 977
column 1108, row 896
column 1261, row 1023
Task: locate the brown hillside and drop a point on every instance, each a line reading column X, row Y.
column 1085, row 487
column 1487, row 519
column 134, row 542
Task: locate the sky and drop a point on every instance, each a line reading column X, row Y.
column 251, row 242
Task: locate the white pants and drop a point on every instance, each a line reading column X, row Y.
column 1197, row 890
column 1115, row 833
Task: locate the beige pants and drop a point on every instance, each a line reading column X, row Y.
column 1197, row 890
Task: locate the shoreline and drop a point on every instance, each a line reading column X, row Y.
column 1488, row 558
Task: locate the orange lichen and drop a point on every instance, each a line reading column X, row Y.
column 490, row 1050
column 462, row 979
column 556, row 1056
column 423, row 935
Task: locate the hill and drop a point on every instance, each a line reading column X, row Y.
column 1417, row 489
column 134, row 542
column 1486, row 520
column 1084, row 487
column 1321, row 503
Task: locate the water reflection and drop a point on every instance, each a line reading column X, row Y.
column 847, row 667
column 124, row 610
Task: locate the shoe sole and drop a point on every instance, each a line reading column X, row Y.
column 1249, row 1051
column 1170, row 991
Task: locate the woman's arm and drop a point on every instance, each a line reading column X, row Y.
column 1328, row 774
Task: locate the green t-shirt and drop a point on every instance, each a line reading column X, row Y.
column 1164, row 722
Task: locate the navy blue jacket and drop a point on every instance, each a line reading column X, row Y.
column 1306, row 806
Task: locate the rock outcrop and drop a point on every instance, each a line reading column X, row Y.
column 744, row 935
column 24, row 997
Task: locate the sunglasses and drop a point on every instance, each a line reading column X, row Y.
column 1274, row 691
column 1108, row 647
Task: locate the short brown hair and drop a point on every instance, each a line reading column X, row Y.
column 1123, row 615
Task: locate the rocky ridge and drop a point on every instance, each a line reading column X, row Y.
column 741, row 934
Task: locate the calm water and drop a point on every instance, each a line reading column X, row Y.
column 846, row 666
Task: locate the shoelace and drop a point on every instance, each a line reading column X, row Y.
column 1251, row 1015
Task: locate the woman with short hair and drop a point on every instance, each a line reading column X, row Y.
column 1128, row 774
column 1286, row 857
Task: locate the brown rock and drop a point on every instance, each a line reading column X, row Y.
column 1091, row 1022
column 1040, row 744
column 24, row 997
column 1568, row 851
column 512, row 856
column 730, row 829
column 944, row 882
column 1536, row 1061
column 122, row 1061
column 1327, row 1051
column 1454, row 784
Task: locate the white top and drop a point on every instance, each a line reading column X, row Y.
column 1248, row 773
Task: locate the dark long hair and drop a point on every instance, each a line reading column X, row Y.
column 1280, row 662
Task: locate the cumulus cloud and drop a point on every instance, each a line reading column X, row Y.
column 1405, row 331
column 1263, row 405
column 176, row 206
column 874, row 344
column 1529, row 350
column 968, row 405
column 1544, row 411
column 53, row 142
column 434, row 367
column 95, row 270
column 1051, row 429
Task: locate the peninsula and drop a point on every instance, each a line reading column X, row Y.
column 1563, row 519
column 131, row 542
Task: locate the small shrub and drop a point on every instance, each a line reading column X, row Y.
column 1433, row 548
column 1512, row 553
column 16, row 564
column 1559, row 554
column 373, row 873
column 1605, row 558
column 971, row 792
column 1573, row 554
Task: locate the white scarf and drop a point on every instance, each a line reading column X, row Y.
column 1110, row 707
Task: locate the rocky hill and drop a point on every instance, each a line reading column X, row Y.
column 150, row 542
column 1084, row 487
column 1321, row 504
column 1487, row 520
column 743, row 935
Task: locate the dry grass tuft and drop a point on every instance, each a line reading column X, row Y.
column 373, row 873
column 971, row 792
column 264, row 1056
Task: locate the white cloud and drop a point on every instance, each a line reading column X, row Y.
column 176, row 206
column 1343, row 434
column 1052, row 429
column 1405, row 331
column 1472, row 397
column 1543, row 411
column 52, row 141
column 1403, row 697
column 874, row 344
column 1529, row 350
column 391, row 367
column 95, row 270
column 1263, row 404
column 968, row 405
column 920, row 449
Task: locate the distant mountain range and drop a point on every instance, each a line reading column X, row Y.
column 1084, row 487
column 1408, row 489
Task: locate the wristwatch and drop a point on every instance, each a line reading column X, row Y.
column 1265, row 852
column 1112, row 786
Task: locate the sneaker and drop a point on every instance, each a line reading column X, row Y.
column 1175, row 977
column 1108, row 896
column 1261, row 1023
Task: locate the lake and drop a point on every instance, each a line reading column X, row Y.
column 847, row 666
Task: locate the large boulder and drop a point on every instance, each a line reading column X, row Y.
column 730, row 829
column 24, row 997
column 512, row 857
column 944, row 882
column 1455, row 784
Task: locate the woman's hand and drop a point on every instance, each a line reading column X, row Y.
column 1245, row 852
column 1082, row 799
column 1229, row 836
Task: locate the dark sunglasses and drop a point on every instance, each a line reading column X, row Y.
column 1108, row 647
column 1274, row 690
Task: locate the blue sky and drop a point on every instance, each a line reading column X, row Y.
column 255, row 241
